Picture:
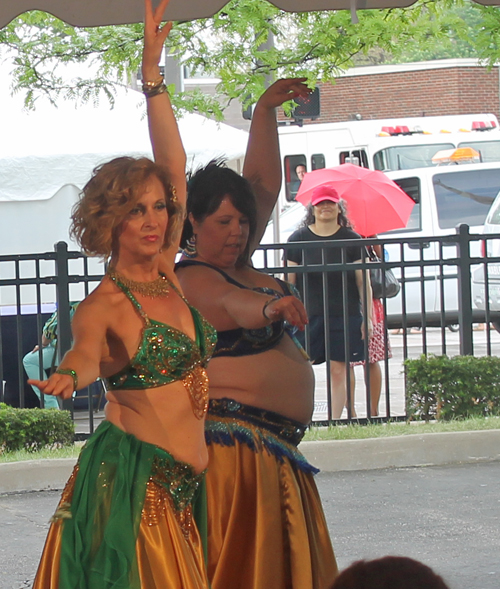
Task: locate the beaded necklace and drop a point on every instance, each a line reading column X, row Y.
column 157, row 288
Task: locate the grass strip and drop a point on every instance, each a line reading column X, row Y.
column 336, row 432
column 385, row 430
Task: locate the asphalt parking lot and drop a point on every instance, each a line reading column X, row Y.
column 447, row 517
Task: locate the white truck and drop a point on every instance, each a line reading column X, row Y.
column 445, row 195
column 382, row 144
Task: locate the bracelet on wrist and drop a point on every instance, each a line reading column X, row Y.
column 69, row 372
column 266, row 304
column 155, row 91
column 154, row 88
column 152, row 83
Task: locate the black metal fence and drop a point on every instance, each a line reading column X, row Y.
column 441, row 305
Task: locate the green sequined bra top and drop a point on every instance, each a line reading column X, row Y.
column 166, row 355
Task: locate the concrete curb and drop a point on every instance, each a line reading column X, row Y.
column 329, row 456
column 35, row 475
column 404, row 451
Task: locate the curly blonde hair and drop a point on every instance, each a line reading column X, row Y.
column 108, row 197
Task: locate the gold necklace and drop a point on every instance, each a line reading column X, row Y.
column 157, row 288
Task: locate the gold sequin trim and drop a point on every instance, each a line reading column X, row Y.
column 156, row 503
column 63, row 510
column 196, row 383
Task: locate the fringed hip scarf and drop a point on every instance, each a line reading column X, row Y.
column 229, row 421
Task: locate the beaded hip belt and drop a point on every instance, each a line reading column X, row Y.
column 229, row 421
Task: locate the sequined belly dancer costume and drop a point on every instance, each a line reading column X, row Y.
column 265, row 520
column 126, row 519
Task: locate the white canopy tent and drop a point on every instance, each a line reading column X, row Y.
column 47, row 155
column 45, row 149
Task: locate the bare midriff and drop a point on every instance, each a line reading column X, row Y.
column 279, row 380
column 161, row 416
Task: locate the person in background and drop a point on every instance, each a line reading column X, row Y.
column 325, row 221
column 294, row 185
column 132, row 513
column 31, row 360
column 266, row 524
column 379, row 348
column 389, row 572
column 300, row 170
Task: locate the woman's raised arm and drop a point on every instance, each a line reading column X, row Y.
column 163, row 129
column 262, row 167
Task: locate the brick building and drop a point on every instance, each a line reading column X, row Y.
column 442, row 87
column 448, row 86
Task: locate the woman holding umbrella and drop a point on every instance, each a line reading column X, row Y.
column 326, row 221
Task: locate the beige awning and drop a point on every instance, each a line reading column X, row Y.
column 87, row 13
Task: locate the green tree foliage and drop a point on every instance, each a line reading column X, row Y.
column 488, row 35
column 232, row 47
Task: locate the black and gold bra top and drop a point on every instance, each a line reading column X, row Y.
column 245, row 342
column 166, row 355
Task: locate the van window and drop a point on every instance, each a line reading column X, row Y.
column 407, row 157
column 488, row 150
column 494, row 214
column 412, row 188
column 465, row 196
column 317, row 161
column 357, row 157
column 294, row 166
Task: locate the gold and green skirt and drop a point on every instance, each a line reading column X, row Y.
column 266, row 526
column 128, row 519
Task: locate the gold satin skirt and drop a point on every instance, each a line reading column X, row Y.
column 168, row 547
column 165, row 557
column 266, row 526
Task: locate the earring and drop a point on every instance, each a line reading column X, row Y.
column 190, row 247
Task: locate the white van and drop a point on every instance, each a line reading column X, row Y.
column 490, row 249
column 445, row 197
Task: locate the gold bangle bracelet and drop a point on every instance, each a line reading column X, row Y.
column 71, row 373
column 152, row 83
column 148, row 87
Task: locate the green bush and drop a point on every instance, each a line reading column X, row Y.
column 439, row 387
column 34, row 429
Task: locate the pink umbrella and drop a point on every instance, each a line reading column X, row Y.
column 374, row 202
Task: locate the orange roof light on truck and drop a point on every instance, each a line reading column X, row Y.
column 461, row 155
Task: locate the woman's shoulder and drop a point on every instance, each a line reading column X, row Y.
column 194, row 278
column 301, row 234
column 103, row 299
column 348, row 233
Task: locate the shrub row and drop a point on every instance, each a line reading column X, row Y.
column 439, row 387
column 34, row 429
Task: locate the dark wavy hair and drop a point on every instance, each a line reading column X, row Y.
column 342, row 219
column 389, row 572
column 207, row 187
column 109, row 196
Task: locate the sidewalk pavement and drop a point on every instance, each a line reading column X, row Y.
column 330, row 456
column 447, row 515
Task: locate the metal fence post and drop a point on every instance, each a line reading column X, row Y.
column 464, row 291
column 63, row 306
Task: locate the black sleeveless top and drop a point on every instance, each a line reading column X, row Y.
column 245, row 342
